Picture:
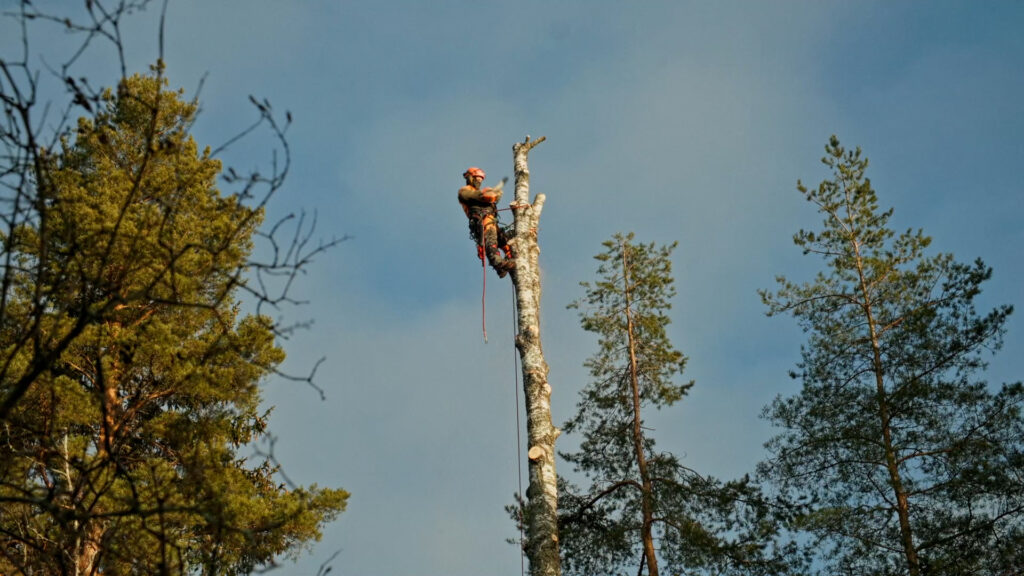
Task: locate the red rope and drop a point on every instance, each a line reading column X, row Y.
column 483, row 300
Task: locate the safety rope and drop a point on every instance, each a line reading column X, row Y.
column 483, row 299
column 515, row 370
column 519, row 447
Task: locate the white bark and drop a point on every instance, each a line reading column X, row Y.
column 541, row 514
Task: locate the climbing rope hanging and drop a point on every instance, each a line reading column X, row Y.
column 515, row 388
column 519, row 432
column 483, row 299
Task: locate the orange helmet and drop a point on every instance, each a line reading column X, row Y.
column 473, row 171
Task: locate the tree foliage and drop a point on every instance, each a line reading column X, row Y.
column 129, row 374
column 903, row 460
column 122, row 454
column 643, row 508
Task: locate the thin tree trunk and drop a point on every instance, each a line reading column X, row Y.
column 895, row 480
column 647, row 506
column 541, row 514
column 90, row 534
column 90, row 550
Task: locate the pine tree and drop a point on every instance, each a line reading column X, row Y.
column 138, row 385
column 905, row 462
column 643, row 508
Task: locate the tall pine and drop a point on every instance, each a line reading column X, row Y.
column 643, row 510
column 904, row 461
column 137, row 389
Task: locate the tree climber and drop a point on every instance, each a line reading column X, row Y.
column 480, row 206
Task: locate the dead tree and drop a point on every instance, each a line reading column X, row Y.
column 541, row 508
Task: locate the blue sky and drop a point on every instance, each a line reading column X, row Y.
column 688, row 121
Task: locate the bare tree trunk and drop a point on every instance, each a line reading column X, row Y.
column 541, row 514
column 647, row 489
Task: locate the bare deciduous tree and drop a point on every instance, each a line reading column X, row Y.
column 541, row 509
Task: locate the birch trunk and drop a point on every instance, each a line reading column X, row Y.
column 541, row 514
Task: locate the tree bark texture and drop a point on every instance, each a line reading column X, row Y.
column 541, row 513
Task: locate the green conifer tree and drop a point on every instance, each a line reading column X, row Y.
column 905, row 462
column 137, row 387
column 643, row 508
